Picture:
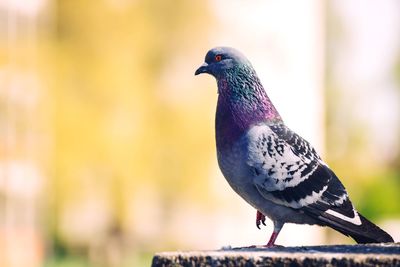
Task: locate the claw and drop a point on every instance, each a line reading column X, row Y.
column 260, row 218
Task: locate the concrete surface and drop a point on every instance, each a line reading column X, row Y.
column 338, row 255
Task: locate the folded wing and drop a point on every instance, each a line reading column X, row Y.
column 289, row 172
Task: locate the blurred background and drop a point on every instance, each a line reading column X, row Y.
column 107, row 150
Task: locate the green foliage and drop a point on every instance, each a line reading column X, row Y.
column 380, row 196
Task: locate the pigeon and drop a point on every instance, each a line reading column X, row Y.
column 270, row 166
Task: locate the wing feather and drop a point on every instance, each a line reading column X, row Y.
column 289, row 172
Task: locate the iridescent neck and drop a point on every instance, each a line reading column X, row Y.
column 244, row 96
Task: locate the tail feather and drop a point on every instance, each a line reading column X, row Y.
column 365, row 233
column 334, row 209
column 370, row 233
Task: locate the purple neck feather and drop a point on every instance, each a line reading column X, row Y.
column 242, row 102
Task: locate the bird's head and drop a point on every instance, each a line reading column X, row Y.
column 222, row 60
column 238, row 86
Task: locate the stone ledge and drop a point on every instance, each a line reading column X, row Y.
column 338, row 255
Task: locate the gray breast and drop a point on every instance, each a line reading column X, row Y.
column 232, row 162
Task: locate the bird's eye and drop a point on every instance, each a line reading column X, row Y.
column 218, row 58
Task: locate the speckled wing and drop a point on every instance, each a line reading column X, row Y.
column 288, row 171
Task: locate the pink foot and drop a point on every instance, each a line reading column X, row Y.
column 271, row 242
column 260, row 218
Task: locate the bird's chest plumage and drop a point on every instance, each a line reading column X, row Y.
column 231, row 149
column 232, row 157
column 231, row 162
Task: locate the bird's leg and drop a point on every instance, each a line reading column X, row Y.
column 277, row 228
column 260, row 218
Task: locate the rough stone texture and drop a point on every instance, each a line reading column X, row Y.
column 339, row 255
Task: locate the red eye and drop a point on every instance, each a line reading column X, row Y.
column 218, row 58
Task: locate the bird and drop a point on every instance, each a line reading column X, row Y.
column 270, row 166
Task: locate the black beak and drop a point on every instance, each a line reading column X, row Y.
column 203, row 69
